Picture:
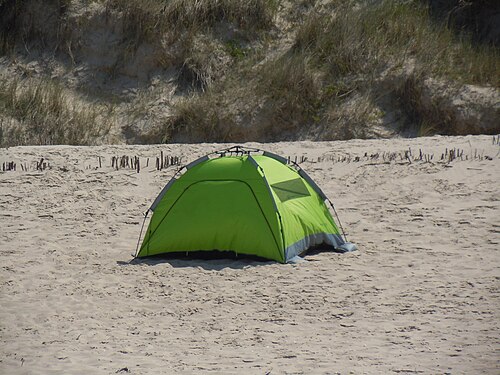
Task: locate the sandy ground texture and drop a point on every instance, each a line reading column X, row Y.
column 420, row 296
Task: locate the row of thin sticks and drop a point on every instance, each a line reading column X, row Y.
column 134, row 162
column 407, row 156
column 164, row 161
column 117, row 162
column 12, row 166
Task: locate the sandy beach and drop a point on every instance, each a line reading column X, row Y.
column 421, row 295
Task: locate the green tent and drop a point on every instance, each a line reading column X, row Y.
column 241, row 200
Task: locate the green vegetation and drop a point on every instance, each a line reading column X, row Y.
column 46, row 29
column 148, row 19
column 374, row 36
column 330, row 79
column 243, row 70
column 185, row 32
column 235, row 50
column 44, row 114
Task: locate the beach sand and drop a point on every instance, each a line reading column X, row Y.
column 420, row 296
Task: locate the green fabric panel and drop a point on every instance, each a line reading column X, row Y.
column 220, row 204
column 275, row 171
column 304, row 214
column 213, row 169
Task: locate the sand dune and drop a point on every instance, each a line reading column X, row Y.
column 421, row 294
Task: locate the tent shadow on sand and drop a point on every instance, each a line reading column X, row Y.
column 209, row 261
column 218, row 260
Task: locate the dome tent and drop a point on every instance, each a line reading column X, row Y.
column 243, row 200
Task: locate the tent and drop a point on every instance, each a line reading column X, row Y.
column 241, row 200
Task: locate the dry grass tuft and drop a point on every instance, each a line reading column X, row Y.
column 369, row 37
column 146, row 19
column 202, row 119
column 292, row 94
column 43, row 114
column 36, row 21
column 360, row 42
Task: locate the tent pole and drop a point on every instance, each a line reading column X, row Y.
column 140, row 234
column 338, row 219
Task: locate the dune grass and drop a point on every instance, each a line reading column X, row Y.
column 329, row 76
column 373, row 36
column 292, row 93
column 44, row 114
column 194, row 35
column 147, row 19
column 46, row 29
column 357, row 44
column 238, row 78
